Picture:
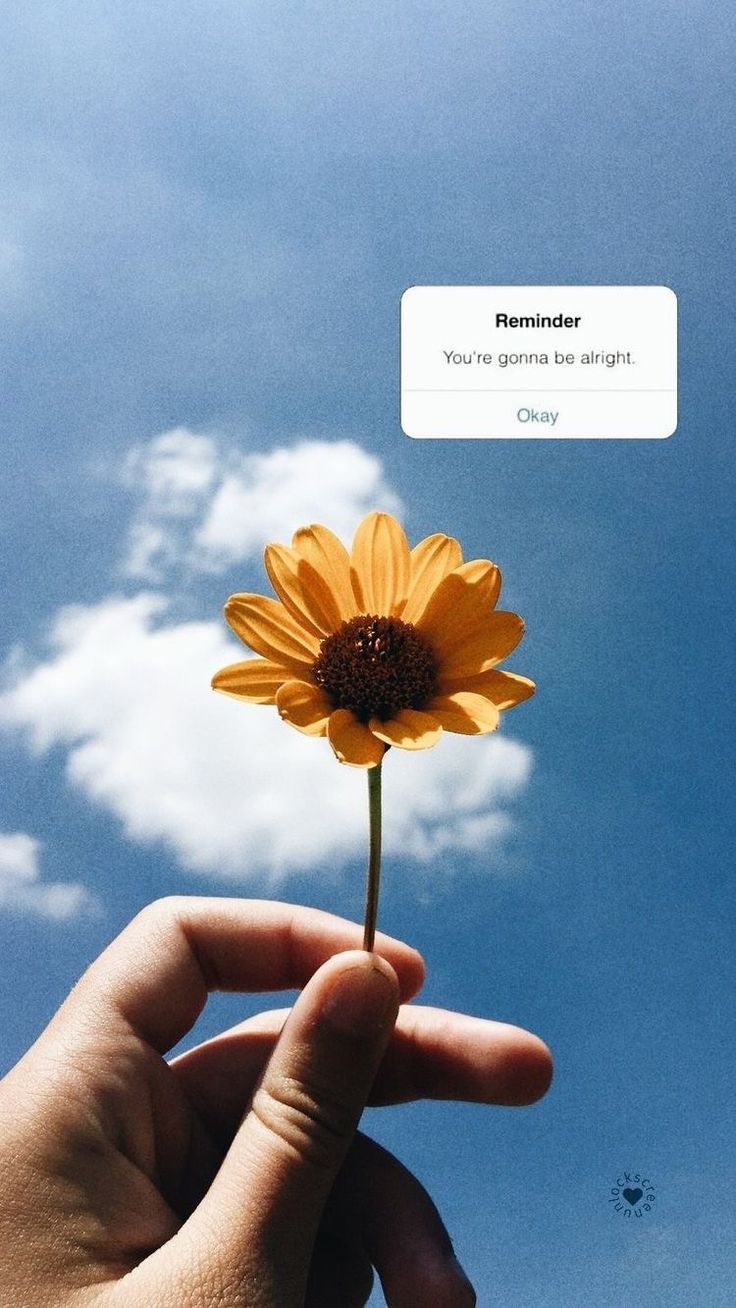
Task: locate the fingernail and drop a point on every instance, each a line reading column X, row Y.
column 361, row 1001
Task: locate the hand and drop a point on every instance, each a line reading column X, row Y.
column 224, row 1177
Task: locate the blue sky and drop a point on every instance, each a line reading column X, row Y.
column 208, row 218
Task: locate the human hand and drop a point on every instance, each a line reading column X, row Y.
column 223, row 1177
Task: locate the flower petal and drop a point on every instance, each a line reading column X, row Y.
column 465, row 713
column 484, row 574
column 320, row 547
column 269, row 629
column 256, row 680
column 409, row 729
column 304, row 706
column 380, row 565
column 352, row 742
column 431, row 560
column 302, row 590
column 504, row 689
column 492, row 641
column 460, row 607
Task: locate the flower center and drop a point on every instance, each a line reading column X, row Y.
column 375, row 667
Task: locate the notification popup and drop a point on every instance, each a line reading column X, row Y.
column 539, row 361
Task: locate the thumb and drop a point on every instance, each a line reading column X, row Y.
column 261, row 1214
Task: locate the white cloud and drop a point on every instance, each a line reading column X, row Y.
column 21, row 888
column 230, row 789
column 173, row 474
column 174, row 469
column 207, row 508
column 334, row 482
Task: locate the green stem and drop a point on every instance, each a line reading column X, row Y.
column 374, row 855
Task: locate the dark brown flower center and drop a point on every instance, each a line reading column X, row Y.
column 375, row 667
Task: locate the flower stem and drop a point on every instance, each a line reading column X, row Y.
column 374, row 855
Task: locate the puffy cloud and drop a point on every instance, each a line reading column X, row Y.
column 334, row 482
column 174, row 469
column 228, row 788
column 207, row 507
column 172, row 474
column 21, row 888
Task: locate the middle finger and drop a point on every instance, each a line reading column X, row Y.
column 434, row 1054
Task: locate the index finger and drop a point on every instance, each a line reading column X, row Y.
column 156, row 975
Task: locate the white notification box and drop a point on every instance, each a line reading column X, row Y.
column 539, row 361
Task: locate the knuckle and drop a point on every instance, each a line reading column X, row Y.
column 310, row 1118
column 160, row 921
column 161, row 912
column 153, row 920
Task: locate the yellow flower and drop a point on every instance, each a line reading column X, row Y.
column 382, row 646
